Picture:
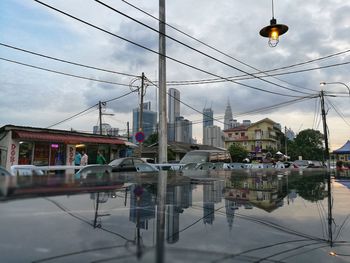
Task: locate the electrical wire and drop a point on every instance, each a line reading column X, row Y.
column 63, row 73
column 80, row 113
column 341, row 115
column 66, row 61
column 196, row 50
column 71, row 117
column 242, row 77
column 155, row 52
column 217, row 50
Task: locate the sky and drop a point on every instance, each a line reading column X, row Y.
column 318, row 38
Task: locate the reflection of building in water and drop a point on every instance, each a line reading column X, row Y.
column 212, row 193
column 178, row 198
column 142, row 206
column 231, row 207
column 292, row 195
column 264, row 192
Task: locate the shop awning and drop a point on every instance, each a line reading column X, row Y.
column 64, row 138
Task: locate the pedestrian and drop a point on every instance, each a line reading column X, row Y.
column 77, row 158
column 100, row 159
column 84, row 159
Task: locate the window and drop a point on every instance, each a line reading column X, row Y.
column 41, row 154
column 25, row 153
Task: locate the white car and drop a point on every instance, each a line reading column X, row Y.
column 26, row 170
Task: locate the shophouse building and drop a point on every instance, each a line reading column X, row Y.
column 46, row 147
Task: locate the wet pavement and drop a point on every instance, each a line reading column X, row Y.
column 223, row 216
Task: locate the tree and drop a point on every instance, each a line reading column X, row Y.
column 308, row 144
column 152, row 139
column 238, row 153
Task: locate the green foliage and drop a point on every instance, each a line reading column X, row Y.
column 152, row 139
column 238, row 153
column 308, row 144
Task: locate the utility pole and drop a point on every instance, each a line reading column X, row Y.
column 100, row 115
column 162, row 134
column 141, row 110
column 328, row 174
column 128, row 130
column 285, row 141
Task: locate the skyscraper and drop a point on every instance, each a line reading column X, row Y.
column 149, row 120
column 173, row 112
column 228, row 116
column 208, row 115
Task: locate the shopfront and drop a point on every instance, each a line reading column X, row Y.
column 45, row 147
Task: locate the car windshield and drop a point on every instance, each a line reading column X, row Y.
column 116, row 162
column 195, row 157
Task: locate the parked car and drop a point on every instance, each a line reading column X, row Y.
column 26, row 170
column 126, row 164
column 7, row 182
column 206, row 156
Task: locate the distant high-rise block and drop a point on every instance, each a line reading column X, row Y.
column 173, row 112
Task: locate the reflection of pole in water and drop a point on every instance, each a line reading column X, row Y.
column 97, row 215
column 161, row 196
column 328, row 174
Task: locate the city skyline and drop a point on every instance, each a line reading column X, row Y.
column 30, row 26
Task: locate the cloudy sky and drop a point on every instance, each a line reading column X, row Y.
column 318, row 37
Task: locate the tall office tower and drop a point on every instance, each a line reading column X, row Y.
column 173, row 112
column 208, row 115
column 149, row 121
column 228, row 117
column 183, row 130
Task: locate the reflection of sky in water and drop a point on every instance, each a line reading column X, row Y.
column 260, row 209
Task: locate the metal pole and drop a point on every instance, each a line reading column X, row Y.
column 330, row 219
column 141, row 111
column 128, row 128
column 285, row 141
column 162, row 131
column 100, row 115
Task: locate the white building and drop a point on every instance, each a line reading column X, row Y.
column 173, row 112
column 213, row 136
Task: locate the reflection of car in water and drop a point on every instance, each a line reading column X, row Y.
column 126, row 164
column 26, row 170
column 7, row 182
column 94, row 174
column 308, row 164
column 206, row 156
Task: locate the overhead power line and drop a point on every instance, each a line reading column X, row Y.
column 84, row 111
column 72, row 117
column 63, row 73
column 209, row 46
column 155, row 52
column 341, row 115
column 197, row 50
column 240, row 77
column 66, row 61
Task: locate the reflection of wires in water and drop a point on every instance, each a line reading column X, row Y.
column 288, row 250
column 273, row 225
column 77, row 253
column 195, row 222
column 322, row 219
column 341, row 226
column 84, row 220
column 260, row 248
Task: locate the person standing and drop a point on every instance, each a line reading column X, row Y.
column 84, row 159
column 77, row 158
column 100, row 159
